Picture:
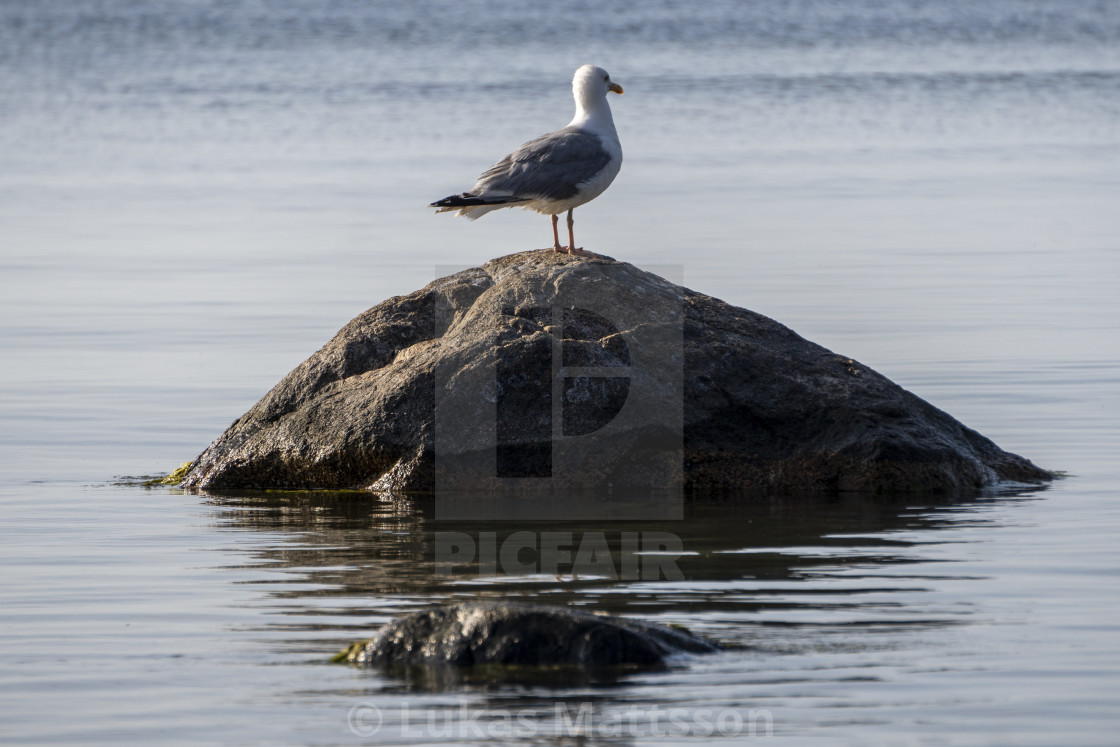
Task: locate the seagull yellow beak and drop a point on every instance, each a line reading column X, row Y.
column 614, row 87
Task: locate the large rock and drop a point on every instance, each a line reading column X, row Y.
column 654, row 385
column 479, row 633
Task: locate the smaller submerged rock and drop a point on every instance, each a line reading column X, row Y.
column 471, row 634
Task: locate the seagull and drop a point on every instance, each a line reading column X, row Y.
column 558, row 171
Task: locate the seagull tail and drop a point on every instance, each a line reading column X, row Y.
column 475, row 207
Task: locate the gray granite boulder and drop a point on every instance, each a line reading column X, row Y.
column 480, row 633
column 541, row 364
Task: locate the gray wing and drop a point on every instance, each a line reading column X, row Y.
column 548, row 167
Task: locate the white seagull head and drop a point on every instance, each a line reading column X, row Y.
column 592, row 84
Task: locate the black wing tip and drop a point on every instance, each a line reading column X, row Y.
column 468, row 200
column 457, row 201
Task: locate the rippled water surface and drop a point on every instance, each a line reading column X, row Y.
column 194, row 196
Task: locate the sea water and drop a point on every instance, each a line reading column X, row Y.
column 194, row 196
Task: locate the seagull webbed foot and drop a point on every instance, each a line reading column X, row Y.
column 580, row 251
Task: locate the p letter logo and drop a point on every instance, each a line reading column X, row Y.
column 573, row 411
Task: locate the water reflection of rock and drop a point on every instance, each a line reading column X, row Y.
column 769, row 578
column 356, row 546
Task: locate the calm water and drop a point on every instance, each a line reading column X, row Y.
column 195, row 195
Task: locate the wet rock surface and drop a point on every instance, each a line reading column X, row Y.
column 475, row 634
column 540, row 364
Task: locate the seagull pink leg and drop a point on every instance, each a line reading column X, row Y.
column 572, row 239
column 556, row 236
